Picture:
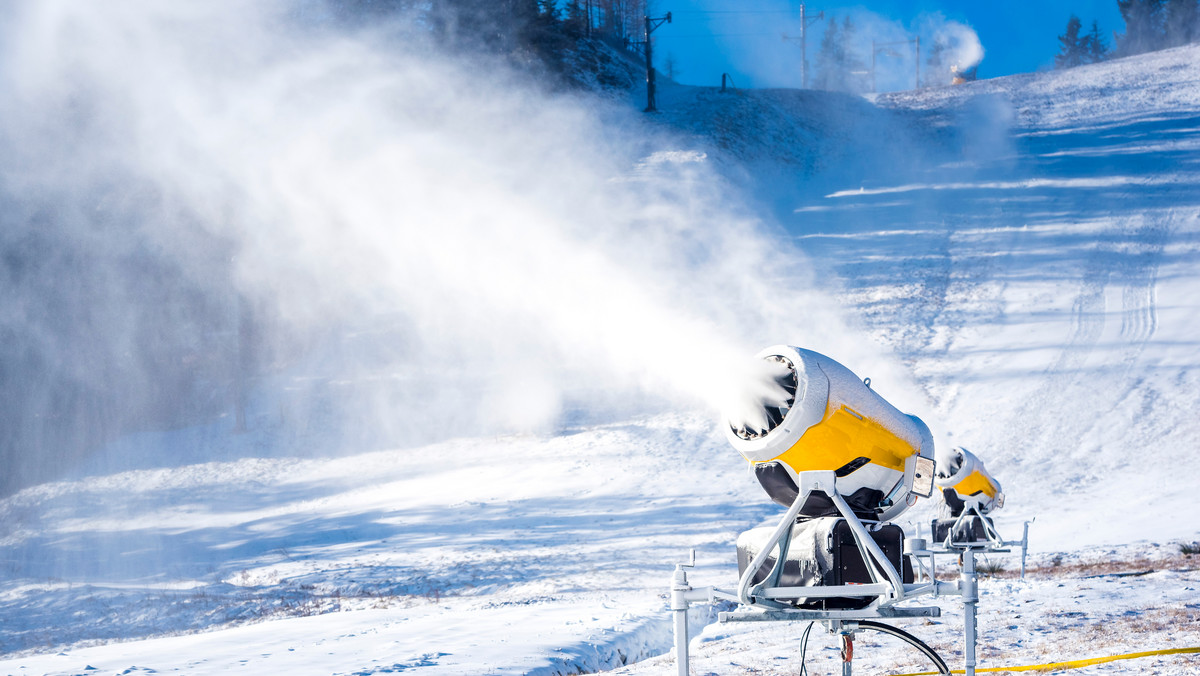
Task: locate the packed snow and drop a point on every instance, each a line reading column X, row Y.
column 1016, row 261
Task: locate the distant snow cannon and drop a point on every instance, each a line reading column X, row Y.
column 808, row 412
column 966, row 483
column 971, row 494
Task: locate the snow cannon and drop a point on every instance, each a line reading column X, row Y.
column 803, row 411
column 966, row 483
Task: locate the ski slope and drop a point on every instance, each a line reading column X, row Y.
column 1044, row 294
column 1025, row 248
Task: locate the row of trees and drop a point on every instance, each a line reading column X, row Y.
column 839, row 67
column 1149, row 25
column 1076, row 49
column 1157, row 24
column 509, row 25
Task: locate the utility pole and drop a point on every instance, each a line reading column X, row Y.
column 917, row 83
column 651, row 24
column 805, row 21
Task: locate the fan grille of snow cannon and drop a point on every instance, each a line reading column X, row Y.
column 772, row 414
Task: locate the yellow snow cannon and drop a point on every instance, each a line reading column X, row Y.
column 802, row 411
column 966, row 483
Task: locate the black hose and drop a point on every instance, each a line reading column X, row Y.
column 804, row 649
column 908, row 638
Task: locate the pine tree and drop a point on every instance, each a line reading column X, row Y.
column 937, row 71
column 852, row 66
column 576, row 18
column 1095, row 47
column 828, row 58
column 839, row 67
column 671, row 65
column 1072, row 51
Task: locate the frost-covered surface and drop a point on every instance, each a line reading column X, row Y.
column 1037, row 272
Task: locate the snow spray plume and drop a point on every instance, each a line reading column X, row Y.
column 953, row 48
column 945, row 45
column 350, row 238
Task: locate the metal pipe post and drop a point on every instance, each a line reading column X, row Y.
column 969, row 584
column 650, row 102
column 918, row 82
column 1024, row 548
column 679, row 608
column 803, row 49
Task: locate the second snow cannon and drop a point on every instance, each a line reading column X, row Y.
column 805, row 411
column 965, row 482
column 972, row 496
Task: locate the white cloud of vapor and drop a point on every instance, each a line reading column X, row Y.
column 769, row 61
column 439, row 248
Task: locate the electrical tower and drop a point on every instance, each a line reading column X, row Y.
column 805, row 21
column 651, row 24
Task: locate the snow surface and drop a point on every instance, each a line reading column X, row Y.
column 1027, row 247
column 1068, row 608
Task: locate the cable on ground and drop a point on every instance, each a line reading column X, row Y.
column 910, row 639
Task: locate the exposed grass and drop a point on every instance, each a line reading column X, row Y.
column 1117, row 566
column 990, row 568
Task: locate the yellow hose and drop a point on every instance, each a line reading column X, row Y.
column 1072, row 664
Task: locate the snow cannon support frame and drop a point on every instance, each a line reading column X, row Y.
column 993, row 542
column 766, row 600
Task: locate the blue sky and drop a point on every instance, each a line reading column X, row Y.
column 744, row 37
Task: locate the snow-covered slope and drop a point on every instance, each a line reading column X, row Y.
column 1040, row 279
column 1026, row 247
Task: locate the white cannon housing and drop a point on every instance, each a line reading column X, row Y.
column 824, row 417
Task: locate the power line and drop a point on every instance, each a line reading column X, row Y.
column 719, row 35
column 736, row 11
